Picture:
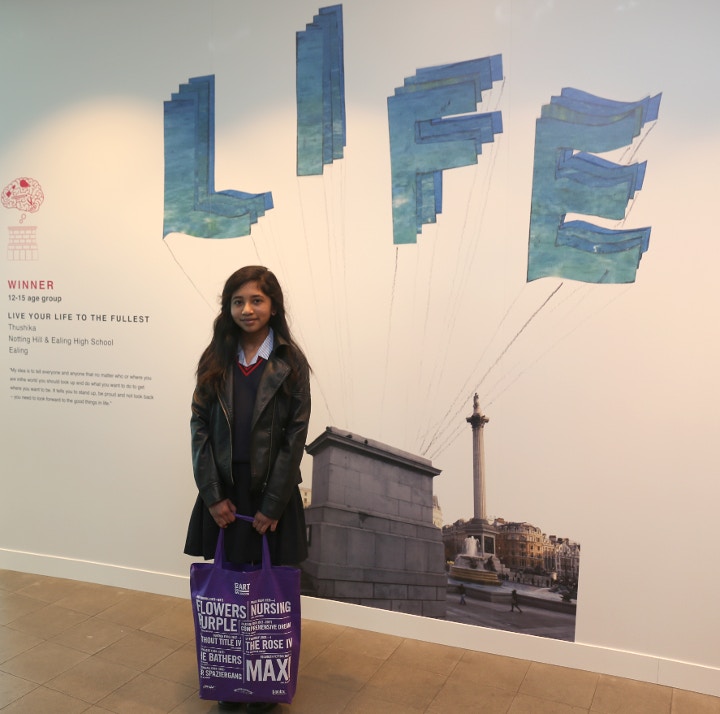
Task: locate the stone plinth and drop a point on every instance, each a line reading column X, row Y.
column 370, row 525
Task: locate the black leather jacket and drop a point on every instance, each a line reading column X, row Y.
column 277, row 437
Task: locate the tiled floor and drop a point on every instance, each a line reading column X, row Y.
column 69, row 647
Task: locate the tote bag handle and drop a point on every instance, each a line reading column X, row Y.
column 220, row 547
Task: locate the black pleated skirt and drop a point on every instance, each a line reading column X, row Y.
column 243, row 544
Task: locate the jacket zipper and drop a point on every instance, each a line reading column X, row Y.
column 227, row 419
column 272, row 431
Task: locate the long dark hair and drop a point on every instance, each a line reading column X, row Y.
column 222, row 350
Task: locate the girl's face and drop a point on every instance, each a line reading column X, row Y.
column 251, row 309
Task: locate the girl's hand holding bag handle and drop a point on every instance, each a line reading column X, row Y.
column 247, row 628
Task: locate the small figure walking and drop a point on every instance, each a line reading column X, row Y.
column 514, row 602
column 461, row 590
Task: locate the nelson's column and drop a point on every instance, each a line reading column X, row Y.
column 479, row 527
column 477, row 421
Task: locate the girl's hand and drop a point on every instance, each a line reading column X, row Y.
column 261, row 523
column 223, row 512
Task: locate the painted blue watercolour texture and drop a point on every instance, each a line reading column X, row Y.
column 320, row 92
column 569, row 178
column 192, row 205
column 426, row 136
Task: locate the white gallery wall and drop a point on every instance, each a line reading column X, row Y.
column 601, row 398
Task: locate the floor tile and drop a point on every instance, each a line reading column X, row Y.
column 13, row 606
column 405, row 685
column 343, row 668
column 43, row 662
column 12, row 580
column 471, row 695
column 615, row 695
column 195, row 705
column 373, row 644
column 526, row 704
column 175, row 623
column 13, row 642
column 139, row 650
column 499, row 672
column 426, row 656
column 560, row 684
column 319, row 695
column 12, row 688
column 362, row 703
column 46, row 700
column 48, row 621
column 91, row 635
column 92, row 679
column 692, row 703
column 134, row 609
column 92, row 599
column 316, row 637
column 50, row 590
column 179, row 666
column 146, row 695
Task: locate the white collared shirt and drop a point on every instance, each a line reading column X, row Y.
column 265, row 350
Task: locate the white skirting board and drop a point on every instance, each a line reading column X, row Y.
column 576, row 655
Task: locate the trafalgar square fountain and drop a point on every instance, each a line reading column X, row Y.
column 473, row 566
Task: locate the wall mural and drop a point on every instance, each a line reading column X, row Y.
column 433, row 127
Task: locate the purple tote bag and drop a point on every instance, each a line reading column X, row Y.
column 247, row 628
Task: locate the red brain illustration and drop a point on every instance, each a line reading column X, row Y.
column 24, row 194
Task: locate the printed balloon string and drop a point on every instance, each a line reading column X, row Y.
column 449, row 419
column 460, row 400
column 455, row 419
column 185, row 273
column 326, row 308
column 627, row 157
column 473, row 236
column 449, row 423
column 383, row 393
column 461, row 279
column 337, row 251
column 491, row 396
column 467, row 248
column 632, row 149
column 423, row 288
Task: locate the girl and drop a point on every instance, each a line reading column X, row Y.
column 250, row 413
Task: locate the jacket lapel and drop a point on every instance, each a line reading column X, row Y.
column 273, row 376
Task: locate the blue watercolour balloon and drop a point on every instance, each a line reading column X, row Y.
column 426, row 136
column 192, row 205
column 320, row 92
column 569, row 179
